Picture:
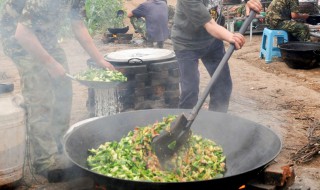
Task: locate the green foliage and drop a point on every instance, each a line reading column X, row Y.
column 102, row 14
column 1, row 5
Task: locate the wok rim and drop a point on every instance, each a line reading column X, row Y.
column 259, row 167
column 288, row 46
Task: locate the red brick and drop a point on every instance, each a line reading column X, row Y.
column 279, row 174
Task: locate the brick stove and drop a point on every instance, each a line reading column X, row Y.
column 153, row 79
column 277, row 176
column 117, row 38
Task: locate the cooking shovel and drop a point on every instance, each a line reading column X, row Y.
column 167, row 143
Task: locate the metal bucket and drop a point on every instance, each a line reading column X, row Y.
column 12, row 136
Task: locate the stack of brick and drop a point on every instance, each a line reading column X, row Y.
column 150, row 85
column 277, row 176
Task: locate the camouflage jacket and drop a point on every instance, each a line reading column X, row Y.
column 280, row 10
column 43, row 17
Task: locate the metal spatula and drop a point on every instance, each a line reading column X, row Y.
column 167, row 143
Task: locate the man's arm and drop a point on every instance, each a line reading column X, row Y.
column 31, row 44
column 222, row 33
column 130, row 14
column 86, row 41
column 299, row 16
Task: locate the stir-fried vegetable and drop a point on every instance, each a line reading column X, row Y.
column 132, row 157
column 103, row 75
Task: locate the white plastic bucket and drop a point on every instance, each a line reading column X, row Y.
column 12, row 136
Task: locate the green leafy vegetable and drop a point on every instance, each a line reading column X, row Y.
column 132, row 157
column 102, row 75
column 172, row 145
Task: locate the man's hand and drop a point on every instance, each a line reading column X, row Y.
column 56, row 70
column 107, row 65
column 222, row 33
column 303, row 16
column 238, row 40
column 253, row 5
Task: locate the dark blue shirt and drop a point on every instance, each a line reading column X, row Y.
column 155, row 13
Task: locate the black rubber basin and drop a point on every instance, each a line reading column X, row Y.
column 300, row 55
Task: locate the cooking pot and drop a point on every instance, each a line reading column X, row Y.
column 118, row 30
column 300, row 55
column 248, row 146
column 313, row 19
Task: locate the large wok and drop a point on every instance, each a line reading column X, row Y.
column 248, row 146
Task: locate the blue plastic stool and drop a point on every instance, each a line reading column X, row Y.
column 267, row 49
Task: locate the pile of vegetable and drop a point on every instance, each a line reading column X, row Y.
column 102, row 75
column 132, row 157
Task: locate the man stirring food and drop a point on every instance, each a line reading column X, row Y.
column 196, row 35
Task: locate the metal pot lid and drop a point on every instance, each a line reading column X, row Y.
column 140, row 55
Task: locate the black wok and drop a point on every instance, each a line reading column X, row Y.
column 248, row 146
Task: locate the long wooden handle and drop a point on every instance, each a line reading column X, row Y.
column 217, row 72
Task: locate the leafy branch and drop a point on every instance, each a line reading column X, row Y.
column 102, row 14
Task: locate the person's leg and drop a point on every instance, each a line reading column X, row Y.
column 160, row 44
column 296, row 29
column 36, row 88
column 48, row 104
column 189, row 78
column 221, row 90
column 149, row 43
column 139, row 26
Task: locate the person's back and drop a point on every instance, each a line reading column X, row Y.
column 155, row 13
column 188, row 31
column 157, row 20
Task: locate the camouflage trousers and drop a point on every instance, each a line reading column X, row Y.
column 298, row 30
column 48, row 106
column 139, row 26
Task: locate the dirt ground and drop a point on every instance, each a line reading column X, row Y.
column 274, row 95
